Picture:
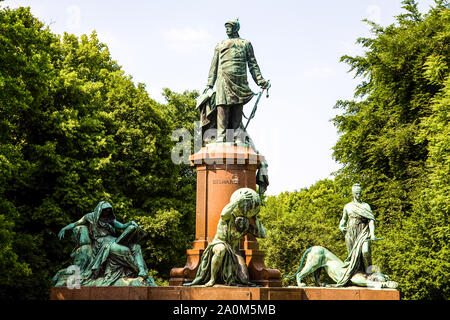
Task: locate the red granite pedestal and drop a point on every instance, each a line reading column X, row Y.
column 221, row 170
column 221, row 293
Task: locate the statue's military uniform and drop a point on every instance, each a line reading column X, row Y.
column 229, row 69
column 229, row 72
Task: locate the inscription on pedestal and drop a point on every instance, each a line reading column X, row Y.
column 233, row 180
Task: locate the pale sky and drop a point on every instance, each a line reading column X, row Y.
column 170, row 44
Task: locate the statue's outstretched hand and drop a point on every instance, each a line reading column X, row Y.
column 61, row 233
column 264, row 84
column 134, row 224
column 128, row 224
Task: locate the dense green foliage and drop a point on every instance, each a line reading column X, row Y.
column 394, row 140
column 76, row 130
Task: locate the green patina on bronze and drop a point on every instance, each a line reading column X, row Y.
column 103, row 256
column 229, row 68
column 222, row 261
column 221, row 109
column 228, row 72
column 339, row 271
column 358, row 225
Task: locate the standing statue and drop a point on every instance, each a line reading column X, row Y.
column 103, row 256
column 222, row 109
column 358, row 224
column 229, row 72
column 222, row 261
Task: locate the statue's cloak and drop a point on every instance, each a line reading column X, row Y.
column 229, row 270
column 357, row 234
column 353, row 262
column 105, row 267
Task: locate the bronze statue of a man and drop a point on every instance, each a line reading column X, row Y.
column 229, row 72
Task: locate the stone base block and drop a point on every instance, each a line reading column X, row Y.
column 349, row 293
column 221, row 293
